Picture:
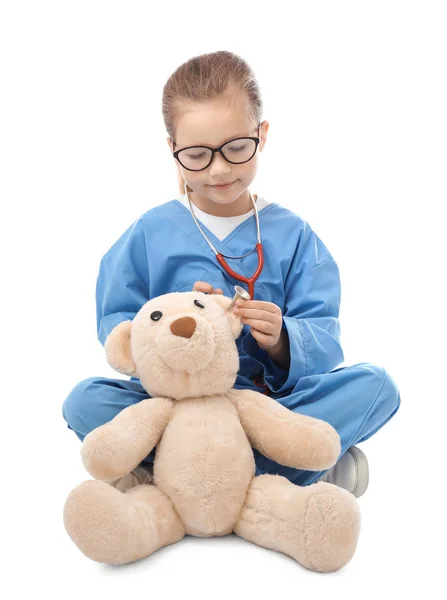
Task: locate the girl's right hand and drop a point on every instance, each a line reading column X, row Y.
column 207, row 288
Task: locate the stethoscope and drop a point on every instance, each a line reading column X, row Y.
column 250, row 281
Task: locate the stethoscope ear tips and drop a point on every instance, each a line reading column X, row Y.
column 239, row 293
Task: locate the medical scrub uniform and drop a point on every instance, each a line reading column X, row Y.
column 163, row 251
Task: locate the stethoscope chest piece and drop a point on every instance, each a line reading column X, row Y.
column 239, row 293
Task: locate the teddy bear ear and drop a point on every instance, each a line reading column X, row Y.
column 117, row 347
column 235, row 321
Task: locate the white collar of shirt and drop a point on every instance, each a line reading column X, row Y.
column 222, row 226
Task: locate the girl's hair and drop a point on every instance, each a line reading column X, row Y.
column 206, row 77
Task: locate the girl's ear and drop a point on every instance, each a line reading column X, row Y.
column 117, row 347
column 235, row 321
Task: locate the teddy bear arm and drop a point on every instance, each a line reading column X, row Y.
column 289, row 438
column 117, row 447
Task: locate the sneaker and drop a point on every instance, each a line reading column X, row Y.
column 141, row 474
column 351, row 472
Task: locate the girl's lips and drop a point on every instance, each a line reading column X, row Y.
column 223, row 187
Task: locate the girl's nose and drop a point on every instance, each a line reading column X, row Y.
column 219, row 164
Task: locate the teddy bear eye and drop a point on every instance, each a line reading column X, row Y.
column 199, row 303
column 156, row 315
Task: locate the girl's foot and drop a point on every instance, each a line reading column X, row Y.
column 141, row 474
column 351, row 472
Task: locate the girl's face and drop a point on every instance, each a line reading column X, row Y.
column 213, row 124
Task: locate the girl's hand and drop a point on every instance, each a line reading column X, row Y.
column 207, row 288
column 265, row 320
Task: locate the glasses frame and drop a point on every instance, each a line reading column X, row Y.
column 219, row 149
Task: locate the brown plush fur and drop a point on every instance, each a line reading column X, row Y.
column 204, row 480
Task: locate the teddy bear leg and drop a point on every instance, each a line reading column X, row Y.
column 317, row 525
column 114, row 527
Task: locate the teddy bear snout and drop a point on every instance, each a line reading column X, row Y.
column 184, row 327
column 186, row 343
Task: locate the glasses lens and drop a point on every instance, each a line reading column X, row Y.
column 239, row 151
column 195, row 158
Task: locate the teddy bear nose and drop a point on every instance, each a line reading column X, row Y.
column 183, row 327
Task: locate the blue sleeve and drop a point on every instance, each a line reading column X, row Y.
column 311, row 311
column 122, row 285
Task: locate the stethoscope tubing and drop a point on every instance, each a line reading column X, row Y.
column 250, row 281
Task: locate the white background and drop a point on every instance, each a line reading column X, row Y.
column 355, row 94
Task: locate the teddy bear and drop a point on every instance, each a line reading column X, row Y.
column 182, row 348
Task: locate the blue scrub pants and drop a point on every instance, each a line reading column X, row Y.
column 356, row 400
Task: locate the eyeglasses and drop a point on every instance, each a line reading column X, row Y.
column 237, row 151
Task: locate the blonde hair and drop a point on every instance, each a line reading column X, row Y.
column 206, row 77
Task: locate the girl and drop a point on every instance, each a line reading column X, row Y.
column 290, row 345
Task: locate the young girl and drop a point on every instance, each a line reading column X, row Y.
column 290, row 345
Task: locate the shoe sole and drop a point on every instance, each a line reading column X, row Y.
column 362, row 469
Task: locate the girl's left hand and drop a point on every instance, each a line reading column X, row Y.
column 264, row 318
